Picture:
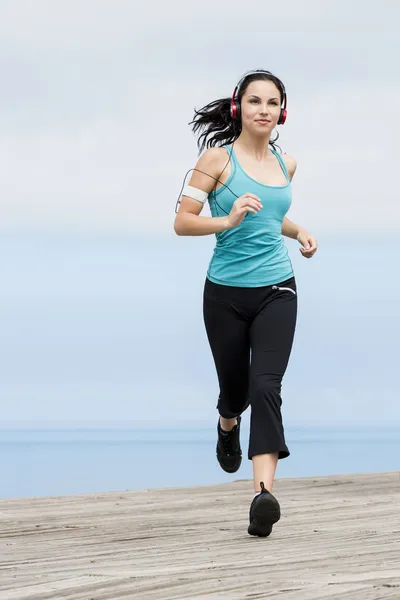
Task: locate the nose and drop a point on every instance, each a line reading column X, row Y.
column 264, row 110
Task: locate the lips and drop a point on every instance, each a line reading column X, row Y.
column 263, row 121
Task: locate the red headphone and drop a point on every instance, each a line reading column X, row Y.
column 235, row 104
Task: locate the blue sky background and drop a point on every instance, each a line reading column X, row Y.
column 101, row 304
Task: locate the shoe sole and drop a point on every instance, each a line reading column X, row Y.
column 266, row 513
column 230, row 469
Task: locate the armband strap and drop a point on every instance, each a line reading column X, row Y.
column 195, row 193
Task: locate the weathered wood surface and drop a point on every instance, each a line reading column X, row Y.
column 339, row 538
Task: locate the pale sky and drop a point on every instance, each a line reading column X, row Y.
column 101, row 303
column 96, row 97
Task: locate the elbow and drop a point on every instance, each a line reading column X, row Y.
column 178, row 227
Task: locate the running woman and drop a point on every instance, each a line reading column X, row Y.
column 250, row 293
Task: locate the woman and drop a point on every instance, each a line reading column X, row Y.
column 250, row 295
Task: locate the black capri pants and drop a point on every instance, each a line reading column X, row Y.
column 251, row 332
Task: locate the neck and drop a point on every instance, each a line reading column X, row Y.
column 256, row 147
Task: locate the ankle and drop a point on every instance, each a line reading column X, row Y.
column 227, row 424
column 262, row 488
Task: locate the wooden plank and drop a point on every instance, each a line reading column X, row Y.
column 338, row 538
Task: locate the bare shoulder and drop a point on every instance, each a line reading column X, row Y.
column 208, row 168
column 212, row 157
column 291, row 164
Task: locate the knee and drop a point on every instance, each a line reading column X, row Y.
column 265, row 389
column 260, row 384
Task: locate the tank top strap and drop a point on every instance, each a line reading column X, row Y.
column 229, row 158
column 232, row 158
column 282, row 163
column 231, row 153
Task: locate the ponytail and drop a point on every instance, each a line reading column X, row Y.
column 217, row 124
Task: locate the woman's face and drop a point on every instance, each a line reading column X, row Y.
column 260, row 107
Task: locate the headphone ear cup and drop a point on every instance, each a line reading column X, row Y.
column 282, row 116
column 235, row 110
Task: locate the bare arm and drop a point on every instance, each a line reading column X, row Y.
column 308, row 242
column 290, row 229
column 188, row 220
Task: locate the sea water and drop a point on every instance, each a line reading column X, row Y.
column 74, row 461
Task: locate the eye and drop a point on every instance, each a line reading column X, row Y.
column 253, row 100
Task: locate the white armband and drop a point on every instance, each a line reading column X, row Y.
column 195, row 193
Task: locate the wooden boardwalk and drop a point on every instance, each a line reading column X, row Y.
column 339, row 538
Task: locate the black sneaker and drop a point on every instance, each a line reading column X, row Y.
column 229, row 453
column 264, row 512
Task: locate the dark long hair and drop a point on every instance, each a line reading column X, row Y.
column 215, row 121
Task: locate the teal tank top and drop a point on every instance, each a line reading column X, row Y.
column 253, row 254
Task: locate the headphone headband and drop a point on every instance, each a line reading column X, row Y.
column 235, row 105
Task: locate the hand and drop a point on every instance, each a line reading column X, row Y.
column 243, row 205
column 308, row 242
